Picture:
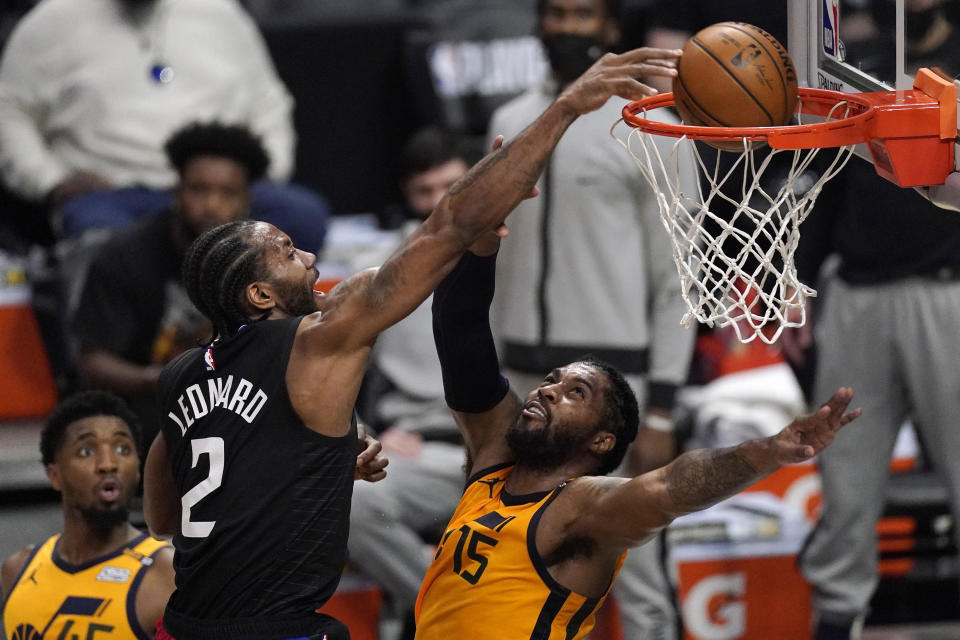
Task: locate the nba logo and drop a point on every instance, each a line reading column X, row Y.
column 831, row 27
column 208, row 359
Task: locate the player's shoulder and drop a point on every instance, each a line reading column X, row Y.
column 13, row 566
column 161, row 568
column 583, row 491
column 155, row 588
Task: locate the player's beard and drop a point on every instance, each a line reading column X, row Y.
column 296, row 299
column 104, row 519
column 546, row 448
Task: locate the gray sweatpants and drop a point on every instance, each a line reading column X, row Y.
column 898, row 346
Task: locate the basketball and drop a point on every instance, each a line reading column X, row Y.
column 734, row 74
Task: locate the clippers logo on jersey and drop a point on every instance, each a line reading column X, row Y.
column 208, row 359
column 831, row 27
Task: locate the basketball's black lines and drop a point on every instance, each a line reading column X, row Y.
column 703, row 112
column 783, row 81
column 735, row 79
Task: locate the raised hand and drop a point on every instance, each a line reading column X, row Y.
column 807, row 436
column 616, row 74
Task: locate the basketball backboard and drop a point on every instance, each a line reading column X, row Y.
column 872, row 45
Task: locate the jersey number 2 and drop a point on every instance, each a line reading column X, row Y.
column 213, row 447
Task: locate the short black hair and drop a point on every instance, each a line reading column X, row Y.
column 217, row 268
column 233, row 142
column 621, row 414
column 77, row 407
column 428, row 148
column 614, row 8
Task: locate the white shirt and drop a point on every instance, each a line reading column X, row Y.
column 76, row 91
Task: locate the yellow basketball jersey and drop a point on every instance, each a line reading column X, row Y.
column 54, row 600
column 487, row 579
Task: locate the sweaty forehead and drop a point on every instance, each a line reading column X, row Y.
column 271, row 237
column 583, row 370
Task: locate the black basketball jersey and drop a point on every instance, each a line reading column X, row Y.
column 265, row 501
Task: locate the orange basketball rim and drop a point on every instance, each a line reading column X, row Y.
column 910, row 133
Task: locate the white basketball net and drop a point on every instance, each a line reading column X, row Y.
column 736, row 267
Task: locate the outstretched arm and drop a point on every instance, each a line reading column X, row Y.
column 479, row 202
column 623, row 514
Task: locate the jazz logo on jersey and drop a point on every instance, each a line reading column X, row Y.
column 72, row 607
column 831, row 27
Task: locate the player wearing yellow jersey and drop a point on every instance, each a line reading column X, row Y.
column 101, row 578
column 540, row 533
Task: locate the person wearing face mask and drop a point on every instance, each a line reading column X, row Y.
column 590, row 271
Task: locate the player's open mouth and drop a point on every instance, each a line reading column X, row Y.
column 109, row 491
column 534, row 409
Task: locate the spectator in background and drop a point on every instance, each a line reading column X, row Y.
column 393, row 523
column 886, row 320
column 100, row 564
column 89, row 92
column 588, row 270
column 134, row 315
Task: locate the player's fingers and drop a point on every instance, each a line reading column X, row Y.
column 375, row 477
column 850, row 417
column 373, row 448
column 631, row 89
column 644, row 69
column 651, row 54
column 791, row 453
column 497, row 143
column 502, row 231
column 377, row 464
column 836, row 405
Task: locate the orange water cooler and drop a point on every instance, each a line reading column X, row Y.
column 27, row 388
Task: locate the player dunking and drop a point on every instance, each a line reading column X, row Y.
column 252, row 469
column 540, row 533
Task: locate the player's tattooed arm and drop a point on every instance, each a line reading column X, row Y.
column 704, row 477
column 627, row 514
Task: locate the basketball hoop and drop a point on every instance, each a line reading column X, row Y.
column 734, row 237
